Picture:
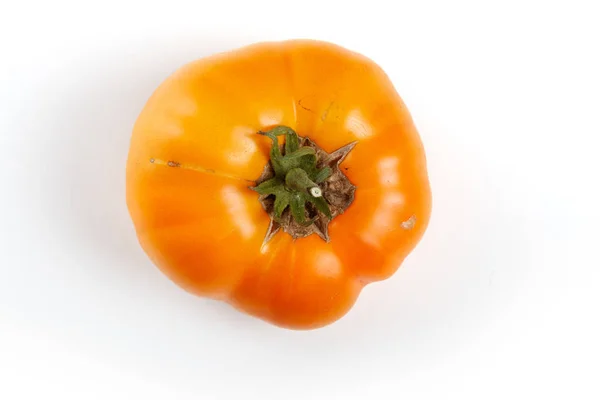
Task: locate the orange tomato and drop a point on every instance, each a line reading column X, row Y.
column 196, row 154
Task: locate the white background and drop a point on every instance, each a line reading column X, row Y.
column 500, row 299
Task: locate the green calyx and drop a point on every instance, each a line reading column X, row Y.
column 297, row 177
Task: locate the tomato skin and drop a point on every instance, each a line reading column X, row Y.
column 194, row 153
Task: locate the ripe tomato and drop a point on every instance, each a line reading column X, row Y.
column 288, row 233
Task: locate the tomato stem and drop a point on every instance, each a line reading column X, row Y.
column 299, row 181
column 295, row 172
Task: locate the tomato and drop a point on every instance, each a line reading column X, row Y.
column 289, row 233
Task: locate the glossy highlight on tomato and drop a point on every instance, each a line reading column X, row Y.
column 202, row 146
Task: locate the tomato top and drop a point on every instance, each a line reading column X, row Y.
column 208, row 189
